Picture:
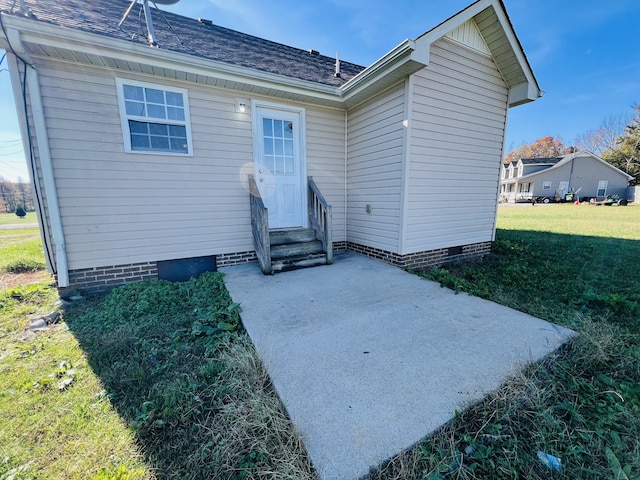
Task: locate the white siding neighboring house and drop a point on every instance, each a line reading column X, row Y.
column 142, row 155
column 582, row 173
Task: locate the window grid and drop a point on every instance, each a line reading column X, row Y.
column 278, row 145
column 154, row 119
column 602, row 188
column 546, row 185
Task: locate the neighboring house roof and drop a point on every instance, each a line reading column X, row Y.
column 217, row 56
column 560, row 161
column 541, row 161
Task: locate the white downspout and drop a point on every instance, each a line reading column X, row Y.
column 40, row 127
column 346, row 177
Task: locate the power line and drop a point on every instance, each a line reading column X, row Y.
column 8, row 154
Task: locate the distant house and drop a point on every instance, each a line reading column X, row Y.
column 582, row 173
column 150, row 159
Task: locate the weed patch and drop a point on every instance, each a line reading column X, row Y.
column 178, row 367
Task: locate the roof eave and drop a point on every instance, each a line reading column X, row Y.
column 54, row 36
column 388, row 70
column 519, row 93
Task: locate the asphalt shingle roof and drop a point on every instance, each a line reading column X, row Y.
column 538, row 161
column 190, row 36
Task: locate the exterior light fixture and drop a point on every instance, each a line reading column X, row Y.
column 242, row 105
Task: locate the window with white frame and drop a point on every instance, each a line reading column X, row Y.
column 511, row 171
column 503, row 174
column 525, row 187
column 602, row 188
column 546, row 185
column 155, row 119
column 520, row 169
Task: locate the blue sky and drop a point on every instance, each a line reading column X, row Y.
column 584, row 53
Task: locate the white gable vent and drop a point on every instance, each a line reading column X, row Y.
column 468, row 35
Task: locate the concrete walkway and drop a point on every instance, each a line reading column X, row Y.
column 369, row 359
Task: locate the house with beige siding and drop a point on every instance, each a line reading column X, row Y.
column 583, row 174
column 168, row 144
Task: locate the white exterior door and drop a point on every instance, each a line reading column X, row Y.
column 563, row 188
column 279, row 164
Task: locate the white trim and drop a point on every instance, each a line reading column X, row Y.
column 602, row 185
column 302, row 147
column 406, row 161
column 124, row 117
column 44, row 151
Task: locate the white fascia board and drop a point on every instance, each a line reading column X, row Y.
column 379, row 69
column 518, row 94
column 534, row 88
column 523, row 93
column 99, row 45
column 453, row 22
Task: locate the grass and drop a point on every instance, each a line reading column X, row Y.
column 13, row 219
column 21, row 250
column 576, row 266
column 159, row 380
column 163, row 382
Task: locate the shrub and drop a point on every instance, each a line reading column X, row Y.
column 20, row 211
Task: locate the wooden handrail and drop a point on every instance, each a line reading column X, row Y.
column 320, row 218
column 260, row 227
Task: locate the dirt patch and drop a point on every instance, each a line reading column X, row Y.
column 10, row 280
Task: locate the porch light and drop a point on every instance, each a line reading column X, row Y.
column 241, row 105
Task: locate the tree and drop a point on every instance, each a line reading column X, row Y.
column 24, row 194
column 626, row 154
column 603, row 138
column 8, row 194
column 20, row 211
column 545, row 147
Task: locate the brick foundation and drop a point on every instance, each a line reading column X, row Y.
column 229, row 259
column 426, row 259
column 100, row 279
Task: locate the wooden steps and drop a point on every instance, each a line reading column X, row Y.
column 295, row 248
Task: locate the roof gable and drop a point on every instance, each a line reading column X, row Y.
column 87, row 32
column 556, row 163
column 468, row 35
column 496, row 30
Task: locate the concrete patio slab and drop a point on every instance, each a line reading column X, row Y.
column 369, row 359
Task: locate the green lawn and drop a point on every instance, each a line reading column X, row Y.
column 576, row 266
column 158, row 380
column 13, row 219
column 21, row 250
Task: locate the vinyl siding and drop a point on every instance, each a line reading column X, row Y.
column 326, row 161
column 119, row 208
column 374, row 170
column 584, row 178
column 457, row 127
